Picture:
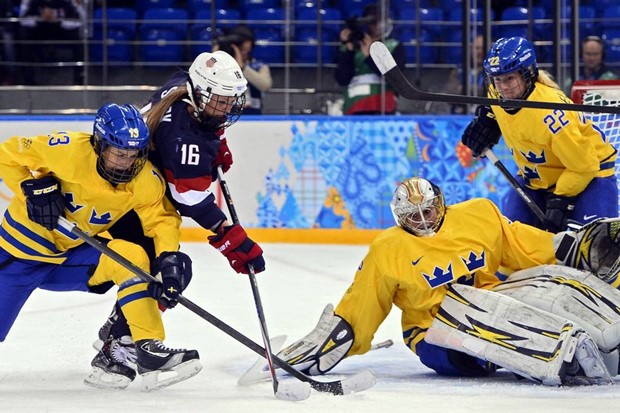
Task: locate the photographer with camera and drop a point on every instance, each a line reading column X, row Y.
column 239, row 43
column 355, row 69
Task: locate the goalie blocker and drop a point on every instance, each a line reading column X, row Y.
column 527, row 341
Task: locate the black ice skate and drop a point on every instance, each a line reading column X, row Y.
column 113, row 364
column 154, row 358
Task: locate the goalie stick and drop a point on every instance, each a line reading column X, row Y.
column 252, row 277
column 387, row 66
column 356, row 383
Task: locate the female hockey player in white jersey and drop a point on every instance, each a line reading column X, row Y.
column 93, row 180
column 187, row 118
column 565, row 163
column 438, row 267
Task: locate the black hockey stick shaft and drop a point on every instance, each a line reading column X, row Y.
column 333, row 387
column 253, row 284
column 387, row 65
column 514, row 184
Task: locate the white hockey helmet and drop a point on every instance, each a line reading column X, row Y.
column 216, row 88
column 418, row 207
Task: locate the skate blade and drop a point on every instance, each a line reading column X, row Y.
column 151, row 380
column 100, row 379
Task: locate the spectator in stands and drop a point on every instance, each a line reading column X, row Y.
column 355, row 69
column 454, row 84
column 592, row 62
column 45, row 25
column 239, row 43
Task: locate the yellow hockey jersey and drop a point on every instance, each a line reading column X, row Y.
column 90, row 201
column 413, row 272
column 555, row 149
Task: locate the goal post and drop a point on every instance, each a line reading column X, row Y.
column 601, row 93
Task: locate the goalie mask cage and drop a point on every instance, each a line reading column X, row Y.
column 602, row 93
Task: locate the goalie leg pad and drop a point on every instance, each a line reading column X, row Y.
column 323, row 348
column 518, row 337
column 595, row 247
column 577, row 295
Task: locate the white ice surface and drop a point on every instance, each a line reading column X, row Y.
column 47, row 353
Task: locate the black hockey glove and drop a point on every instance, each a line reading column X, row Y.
column 44, row 201
column 176, row 273
column 557, row 212
column 483, row 132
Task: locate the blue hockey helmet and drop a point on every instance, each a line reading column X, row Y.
column 121, row 140
column 509, row 55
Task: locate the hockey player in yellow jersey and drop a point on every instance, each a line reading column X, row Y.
column 564, row 162
column 416, row 264
column 92, row 180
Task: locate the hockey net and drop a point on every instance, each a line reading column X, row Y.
column 602, row 93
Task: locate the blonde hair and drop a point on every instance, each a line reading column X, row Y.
column 157, row 111
column 546, row 78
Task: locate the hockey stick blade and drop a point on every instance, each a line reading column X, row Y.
column 387, row 66
column 359, row 382
column 293, row 391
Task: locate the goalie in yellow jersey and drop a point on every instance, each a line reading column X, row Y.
column 439, row 266
column 93, row 180
column 565, row 163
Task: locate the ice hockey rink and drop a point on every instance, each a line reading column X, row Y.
column 47, row 354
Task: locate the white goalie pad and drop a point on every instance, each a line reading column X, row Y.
column 577, row 295
column 580, row 296
column 518, row 337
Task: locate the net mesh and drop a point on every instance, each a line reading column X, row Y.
column 601, row 93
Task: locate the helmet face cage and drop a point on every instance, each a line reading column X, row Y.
column 120, row 140
column 217, row 89
column 216, row 111
column 418, row 206
column 511, row 55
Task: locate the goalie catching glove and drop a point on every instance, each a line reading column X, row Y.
column 241, row 251
column 483, row 132
column 323, row 347
column 594, row 247
column 174, row 272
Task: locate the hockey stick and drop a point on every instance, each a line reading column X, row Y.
column 356, row 383
column 514, row 184
column 387, row 65
column 252, row 277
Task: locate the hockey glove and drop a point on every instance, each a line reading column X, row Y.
column 175, row 269
column 44, row 201
column 557, row 212
column 483, row 132
column 224, row 157
column 234, row 244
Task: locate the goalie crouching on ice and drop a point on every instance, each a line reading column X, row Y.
column 554, row 324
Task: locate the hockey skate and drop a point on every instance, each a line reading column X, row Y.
column 113, row 366
column 587, row 366
column 153, row 358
